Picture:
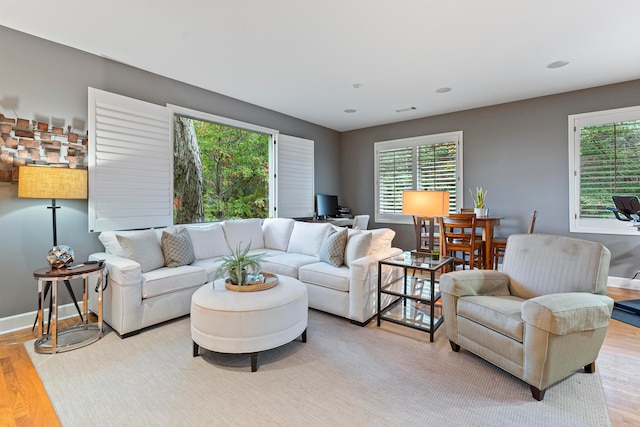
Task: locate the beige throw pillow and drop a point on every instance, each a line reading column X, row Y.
column 177, row 248
column 143, row 247
column 333, row 246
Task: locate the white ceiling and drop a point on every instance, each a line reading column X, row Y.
column 303, row 57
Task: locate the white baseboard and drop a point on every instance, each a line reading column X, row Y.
column 25, row 320
column 623, row 282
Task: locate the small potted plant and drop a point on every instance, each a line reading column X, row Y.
column 235, row 266
column 478, row 201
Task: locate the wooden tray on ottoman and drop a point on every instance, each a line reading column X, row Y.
column 270, row 280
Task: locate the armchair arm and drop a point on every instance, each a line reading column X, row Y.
column 565, row 313
column 475, row 282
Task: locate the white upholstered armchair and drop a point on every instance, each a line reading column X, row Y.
column 542, row 318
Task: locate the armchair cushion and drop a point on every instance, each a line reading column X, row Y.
column 475, row 282
column 562, row 314
column 500, row 313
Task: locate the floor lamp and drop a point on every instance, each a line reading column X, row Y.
column 46, row 182
column 431, row 204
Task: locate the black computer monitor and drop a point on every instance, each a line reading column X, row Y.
column 326, row 205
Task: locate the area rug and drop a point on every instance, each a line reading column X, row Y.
column 627, row 312
column 344, row 375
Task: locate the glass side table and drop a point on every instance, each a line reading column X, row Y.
column 77, row 336
column 415, row 293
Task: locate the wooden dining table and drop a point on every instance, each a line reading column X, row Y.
column 487, row 224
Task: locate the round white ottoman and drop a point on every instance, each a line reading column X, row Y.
column 248, row 322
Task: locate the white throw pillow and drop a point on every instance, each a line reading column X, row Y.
column 143, row 247
column 277, row 232
column 358, row 246
column 381, row 239
column 208, row 240
column 243, row 232
column 307, row 237
column 110, row 243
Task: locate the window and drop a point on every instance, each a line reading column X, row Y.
column 432, row 162
column 604, row 155
column 131, row 164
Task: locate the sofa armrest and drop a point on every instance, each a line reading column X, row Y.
column 123, row 271
column 363, row 284
column 475, row 282
column 565, row 313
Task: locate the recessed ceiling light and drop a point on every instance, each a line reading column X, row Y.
column 357, row 85
column 350, row 110
column 402, row 110
column 443, row 90
column 558, row 64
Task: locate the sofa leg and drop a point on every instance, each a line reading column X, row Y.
column 254, row 361
column 537, row 393
column 590, row 368
column 455, row 347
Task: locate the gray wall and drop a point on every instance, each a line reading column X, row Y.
column 41, row 78
column 517, row 151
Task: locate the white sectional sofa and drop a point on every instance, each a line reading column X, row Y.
column 142, row 291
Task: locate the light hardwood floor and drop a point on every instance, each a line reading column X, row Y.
column 24, row 402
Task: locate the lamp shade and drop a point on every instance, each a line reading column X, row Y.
column 42, row 182
column 425, row 203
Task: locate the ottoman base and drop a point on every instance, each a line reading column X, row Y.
column 254, row 355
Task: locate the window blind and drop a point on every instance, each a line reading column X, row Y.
column 430, row 162
column 130, row 163
column 294, row 181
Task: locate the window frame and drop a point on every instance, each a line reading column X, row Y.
column 414, row 143
column 575, row 123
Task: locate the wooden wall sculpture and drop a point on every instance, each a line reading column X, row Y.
column 23, row 142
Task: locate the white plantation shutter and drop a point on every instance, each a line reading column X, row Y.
column 432, row 162
column 294, row 184
column 130, row 163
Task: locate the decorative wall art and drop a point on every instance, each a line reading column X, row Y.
column 24, row 142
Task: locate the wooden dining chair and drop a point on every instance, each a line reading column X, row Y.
column 458, row 235
column 499, row 243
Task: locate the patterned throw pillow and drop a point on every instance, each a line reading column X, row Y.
column 177, row 248
column 332, row 249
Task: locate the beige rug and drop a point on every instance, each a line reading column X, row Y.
column 344, row 375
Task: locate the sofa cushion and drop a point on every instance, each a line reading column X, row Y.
column 242, row 232
column 381, row 239
column 143, row 247
column 287, row 264
column 210, row 266
column 358, row 245
column 177, row 248
column 276, row 232
column 166, row 280
column 500, row 313
column 325, row 275
column 307, row 237
column 332, row 249
column 208, row 240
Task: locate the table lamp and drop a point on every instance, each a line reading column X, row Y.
column 46, row 182
column 428, row 204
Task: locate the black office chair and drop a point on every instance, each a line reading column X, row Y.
column 627, row 206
